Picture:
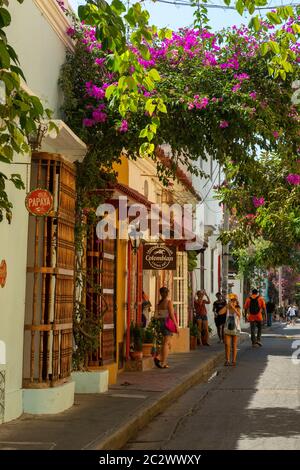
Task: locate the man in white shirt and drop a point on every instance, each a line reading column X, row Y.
column 291, row 314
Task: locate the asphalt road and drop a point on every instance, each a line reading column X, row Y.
column 253, row 406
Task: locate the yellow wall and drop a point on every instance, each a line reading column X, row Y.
column 122, row 170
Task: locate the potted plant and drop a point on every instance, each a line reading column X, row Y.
column 148, row 338
column 155, row 328
column 136, row 350
column 193, row 335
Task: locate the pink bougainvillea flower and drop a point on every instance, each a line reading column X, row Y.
column 100, row 62
column 190, row 106
column 99, row 116
column 70, row 31
column 224, row 124
column 61, row 3
column 250, row 216
column 202, row 104
column 123, row 127
column 242, row 76
column 253, row 95
column 276, row 134
column 258, row 201
column 88, row 122
column 293, row 178
column 236, row 87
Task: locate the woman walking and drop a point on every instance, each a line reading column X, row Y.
column 232, row 329
column 201, row 315
column 165, row 313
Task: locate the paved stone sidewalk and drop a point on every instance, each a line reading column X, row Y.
column 107, row 421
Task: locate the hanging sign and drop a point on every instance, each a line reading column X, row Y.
column 39, row 202
column 3, row 273
column 159, row 257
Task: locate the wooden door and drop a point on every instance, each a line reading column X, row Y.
column 50, row 276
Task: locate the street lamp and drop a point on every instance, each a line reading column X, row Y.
column 135, row 237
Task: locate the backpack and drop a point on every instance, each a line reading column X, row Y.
column 254, row 307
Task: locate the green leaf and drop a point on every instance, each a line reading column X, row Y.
column 143, row 133
column 4, row 56
column 264, row 48
column 287, row 66
column 144, row 51
column 110, row 91
column 37, row 105
column 18, row 71
column 118, row 6
column 131, row 83
column 162, row 107
column 5, row 18
column 282, row 74
column 240, row 6
column 256, row 23
column 16, row 179
column 274, row 47
column 154, row 75
column 274, row 18
column 150, row 107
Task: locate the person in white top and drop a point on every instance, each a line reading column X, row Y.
column 291, row 314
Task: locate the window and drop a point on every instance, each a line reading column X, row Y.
column 180, row 293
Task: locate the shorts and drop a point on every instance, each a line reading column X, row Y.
column 201, row 317
column 220, row 320
column 164, row 331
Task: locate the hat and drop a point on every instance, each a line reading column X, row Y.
column 232, row 296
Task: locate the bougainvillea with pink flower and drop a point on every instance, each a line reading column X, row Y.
column 205, row 94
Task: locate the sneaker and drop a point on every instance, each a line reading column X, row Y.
column 259, row 343
column 254, row 345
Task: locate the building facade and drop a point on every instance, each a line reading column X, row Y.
column 37, row 298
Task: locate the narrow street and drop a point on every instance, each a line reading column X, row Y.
column 254, row 406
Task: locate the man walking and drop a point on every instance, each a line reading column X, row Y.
column 270, row 307
column 255, row 307
column 220, row 309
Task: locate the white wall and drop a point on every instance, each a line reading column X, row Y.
column 41, row 51
column 13, row 249
column 212, row 219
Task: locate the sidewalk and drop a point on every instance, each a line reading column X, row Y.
column 108, row 421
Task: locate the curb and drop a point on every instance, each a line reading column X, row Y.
column 127, row 431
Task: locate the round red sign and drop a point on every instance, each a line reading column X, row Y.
column 3, row 273
column 39, row 202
